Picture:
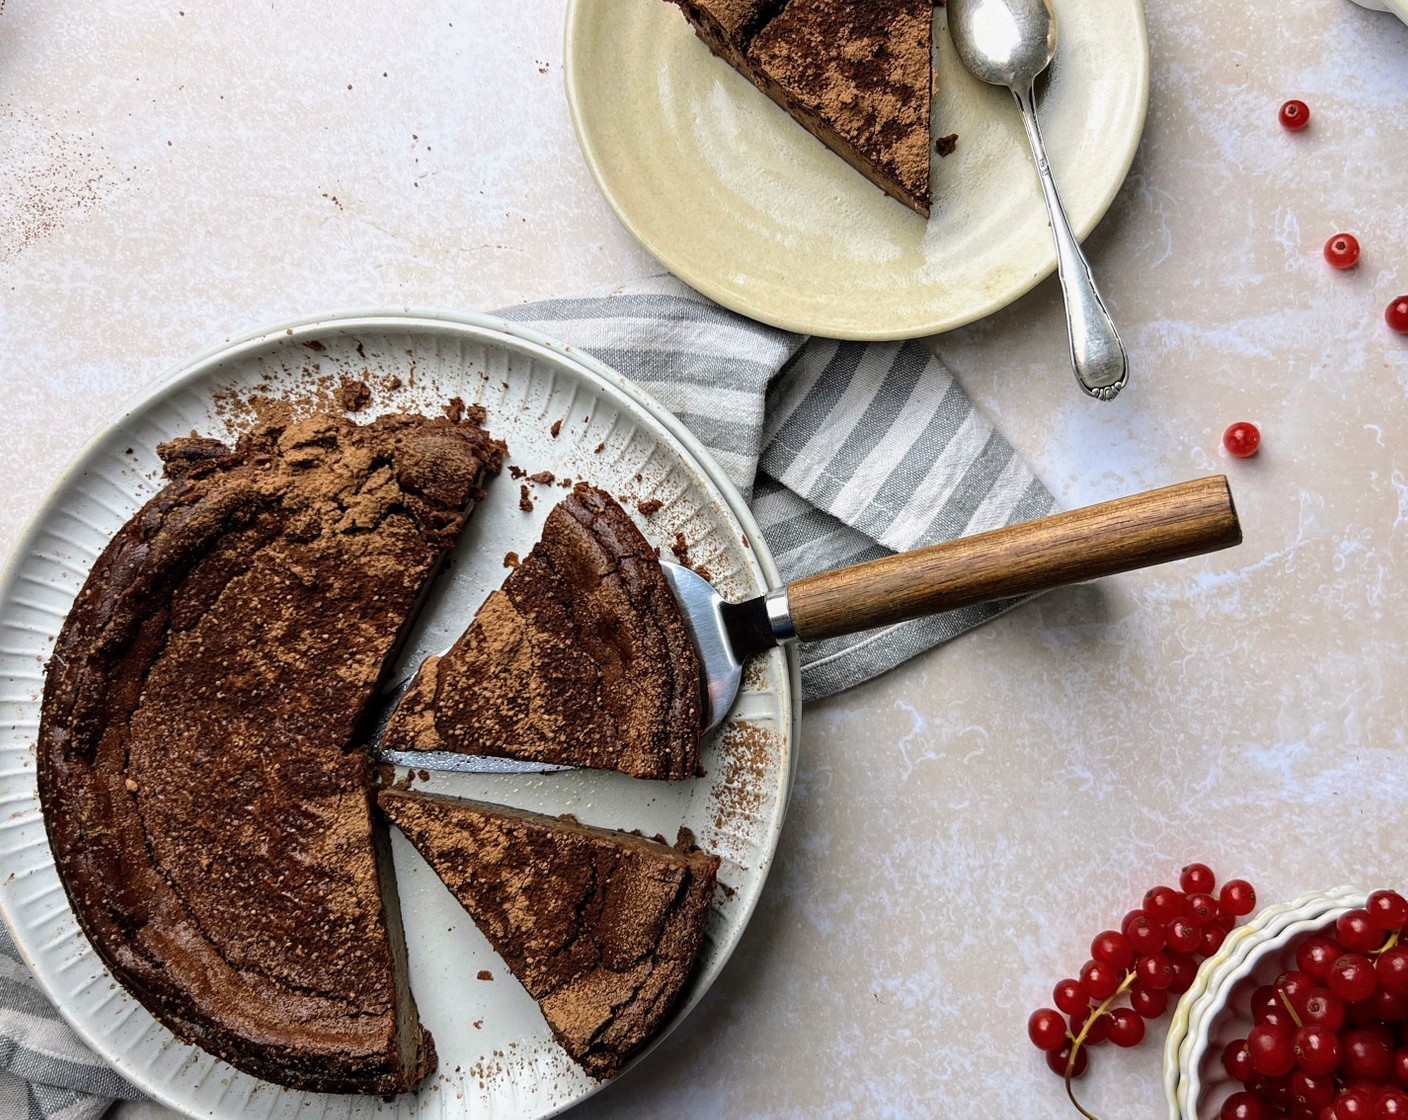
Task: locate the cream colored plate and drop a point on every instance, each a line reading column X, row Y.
column 739, row 201
column 497, row 1056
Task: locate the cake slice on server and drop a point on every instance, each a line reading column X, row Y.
column 581, row 658
column 601, row 927
column 857, row 75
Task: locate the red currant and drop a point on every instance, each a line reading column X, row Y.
column 1126, row 1027
column 1146, row 935
column 1357, row 932
column 1237, row 1061
column 1096, row 1027
column 1185, row 971
column 1353, row 978
column 1183, row 936
column 1241, row 439
column 1392, row 1105
column 1237, row 897
column 1396, row 315
column 1046, row 1028
column 1070, row 996
column 1294, row 986
column 1354, row 1104
column 1113, row 948
column 1392, row 967
column 1197, row 877
column 1270, row 1046
column 1312, row 1091
column 1294, row 115
column 1148, row 1002
column 1342, row 250
column 1388, row 909
column 1201, row 908
column 1316, row 955
column 1163, row 904
column 1317, row 1049
column 1363, row 1053
column 1058, row 1060
column 1385, row 1006
column 1398, row 1067
column 1243, row 1106
column 1100, row 979
column 1213, row 936
column 1323, row 1008
column 1155, row 970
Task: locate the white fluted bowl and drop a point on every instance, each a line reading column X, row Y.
column 1217, row 1008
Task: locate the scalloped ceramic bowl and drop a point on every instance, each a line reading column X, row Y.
column 1217, row 1008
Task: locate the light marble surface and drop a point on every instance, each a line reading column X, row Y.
column 174, row 174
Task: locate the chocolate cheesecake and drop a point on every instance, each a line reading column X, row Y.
column 857, row 74
column 601, row 927
column 581, row 658
column 209, row 810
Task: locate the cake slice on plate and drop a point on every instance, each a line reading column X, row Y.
column 857, row 74
column 582, row 658
column 602, row 928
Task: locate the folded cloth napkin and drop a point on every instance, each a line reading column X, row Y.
column 846, row 451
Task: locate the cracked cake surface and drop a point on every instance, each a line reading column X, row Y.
column 601, row 927
column 209, row 809
column 857, row 75
column 581, row 658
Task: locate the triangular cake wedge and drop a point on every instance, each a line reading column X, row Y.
column 211, row 817
column 582, row 658
column 602, row 928
column 857, row 74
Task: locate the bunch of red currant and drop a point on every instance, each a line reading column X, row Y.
column 1154, row 953
column 1330, row 1040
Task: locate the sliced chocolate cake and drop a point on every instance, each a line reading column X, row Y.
column 582, row 658
column 601, row 927
column 210, row 815
column 857, row 74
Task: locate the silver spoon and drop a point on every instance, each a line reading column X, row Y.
column 1008, row 43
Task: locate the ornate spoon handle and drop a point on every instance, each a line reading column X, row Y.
column 1101, row 365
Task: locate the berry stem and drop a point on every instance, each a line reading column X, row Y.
column 1386, row 946
column 1285, row 1000
column 1104, row 1009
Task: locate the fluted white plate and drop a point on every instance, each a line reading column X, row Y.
column 737, row 199
column 497, row 1057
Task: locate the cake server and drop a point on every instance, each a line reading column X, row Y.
column 1154, row 527
column 1134, row 532
column 1008, row 43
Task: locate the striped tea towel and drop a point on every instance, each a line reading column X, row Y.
column 847, row 451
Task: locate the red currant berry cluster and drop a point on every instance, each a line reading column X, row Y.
column 1330, row 1037
column 1154, row 954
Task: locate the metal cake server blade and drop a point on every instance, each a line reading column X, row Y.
column 442, row 760
column 1134, row 532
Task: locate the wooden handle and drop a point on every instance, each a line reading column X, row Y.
column 1135, row 532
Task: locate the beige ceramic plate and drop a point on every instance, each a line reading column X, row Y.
column 498, row 1060
column 738, row 200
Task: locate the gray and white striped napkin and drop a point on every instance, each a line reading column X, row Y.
column 846, row 451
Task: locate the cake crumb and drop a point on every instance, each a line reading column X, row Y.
column 454, row 410
column 556, row 428
column 945, row 145
column 392, row 383
column 566, row 484
column 543, row 478
column 131, row 785
column 525, row 500
column 511, row 560
column 599, row 449
column 680, row 548
column 316, row 346
column 353, row 396
column 649, row 508
column 485, row 974
column 516, row 471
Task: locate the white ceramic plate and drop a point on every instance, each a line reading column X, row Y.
column 735, row 198
column 497, row 1056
